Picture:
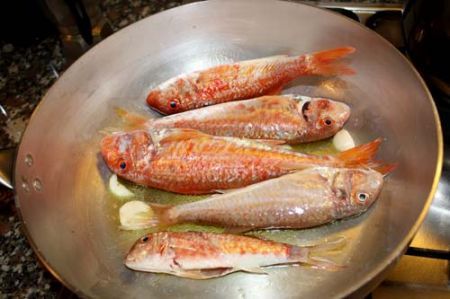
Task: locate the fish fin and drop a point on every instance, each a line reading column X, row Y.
column 108, row 131
column 221, row 191
column 176, row 135
column 324, row 63
column 324, row 264
column 132, row 120
column 264, row 59
column 155, row 217
column 160, row 218
column 274, row 142
column 328, row 246
column 386, row 169
column 312, row 254
column 204, row 273
column 361, row 156
column 257, row 270
column 237, row 230
column 274, row 91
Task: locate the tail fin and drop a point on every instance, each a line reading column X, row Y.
column 386, row 169
column 361, row 156
column 324, row 63
column 155, row 217
column 314, row 254
column 132, row 120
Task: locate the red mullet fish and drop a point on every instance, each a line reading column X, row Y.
column 190, row 162
column 288, row 119
column 303, row 199
column 243, row 80
column 198, row 255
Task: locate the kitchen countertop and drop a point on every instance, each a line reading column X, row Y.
column 26, row 73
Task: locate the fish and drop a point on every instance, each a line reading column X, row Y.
column 187, row 161
column 199, row 255
column 243, row 80
column 290, row 119
column 303, row 199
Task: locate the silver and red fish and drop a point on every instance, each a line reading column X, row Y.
column 199, row 255
column 289, row 119
column 243, row 80
column 303, row 199
column 190, row 162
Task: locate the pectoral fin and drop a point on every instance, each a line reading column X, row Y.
column 237, row 230
column 205, row 273
column 273, row 142
column 256, row 270
column 221, row 191
column 132, row 120
column 176, row 135
column 275, row 91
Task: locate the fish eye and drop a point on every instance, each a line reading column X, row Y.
column 144, row 239
column 173, row 104
column 362, row 197
column 123, row 165
column 328, row 122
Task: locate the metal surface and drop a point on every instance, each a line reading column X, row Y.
column 62, row 194
column 6, row 165
column 426, row 274
column 435, row 231
column 362, row 10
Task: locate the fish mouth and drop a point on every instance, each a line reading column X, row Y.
column 133, row 265
column 345, row 114
column 107, row 143
column 157, row 110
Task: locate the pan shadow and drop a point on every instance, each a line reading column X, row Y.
column 102, row 168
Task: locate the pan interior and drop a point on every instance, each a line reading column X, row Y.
column 71, row 217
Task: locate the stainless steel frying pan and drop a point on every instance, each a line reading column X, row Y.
column 61, row 179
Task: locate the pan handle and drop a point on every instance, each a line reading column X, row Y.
column 6, row 166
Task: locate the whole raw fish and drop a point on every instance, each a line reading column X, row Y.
column 198, row 255
column 303, row 199
column 288, row 118
column 243, row 80
column 190, row 162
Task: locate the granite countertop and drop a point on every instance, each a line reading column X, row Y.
column 26, row 73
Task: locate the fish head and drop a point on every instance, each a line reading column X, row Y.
column 325, row 117
column 355, row 190
column 151, row 253
column 128, row 153
column 171, row 96
column 165, row 102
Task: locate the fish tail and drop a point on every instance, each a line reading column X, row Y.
column 325, row 63
column 385, row 169
column 313, row 255
column 132, row 120
column 156, row 216
column 160, row 216
column 361, row 156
